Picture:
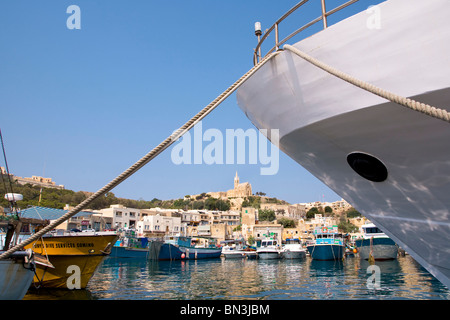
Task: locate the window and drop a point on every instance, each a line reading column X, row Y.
column 373, row 230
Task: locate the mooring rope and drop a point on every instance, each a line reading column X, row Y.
column 406, row 102
column 145, row 159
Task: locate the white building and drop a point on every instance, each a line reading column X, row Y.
column 336, row 206
column 319, row 221
column 191, row 217
column 231, row 218
column 159, row 224
column 123, row 217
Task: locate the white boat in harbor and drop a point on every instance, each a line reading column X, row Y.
column 375, row 243
column 293, row 249
column 387, row 160
column 233, row 249
column 236, row 249
column 269, row 249
column 17, row 271
column 16, row 275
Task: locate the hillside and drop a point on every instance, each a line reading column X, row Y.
column 58, row 198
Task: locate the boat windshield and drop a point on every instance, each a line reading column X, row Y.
column 372, row 230
column 328, row 235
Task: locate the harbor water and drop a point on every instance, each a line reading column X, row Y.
column 221, row 279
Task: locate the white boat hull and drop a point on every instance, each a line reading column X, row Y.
column 379, row 252
column 323, row 119
column 292, row 254
column 268, row 255
column 236, row 254
column 15, row 278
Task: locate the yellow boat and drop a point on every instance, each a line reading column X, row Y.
column 68, row 261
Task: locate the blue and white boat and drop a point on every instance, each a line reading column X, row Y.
column 130, row 246
column 376, row 243
column 185, row 248
column 327, row 245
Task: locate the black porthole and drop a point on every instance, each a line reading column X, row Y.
column 367, row 166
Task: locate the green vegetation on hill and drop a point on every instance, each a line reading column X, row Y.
column 252, row 201
column 58, row 198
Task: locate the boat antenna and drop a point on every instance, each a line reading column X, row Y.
column 12, row 202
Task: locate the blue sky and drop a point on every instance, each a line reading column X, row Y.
column 81, row 106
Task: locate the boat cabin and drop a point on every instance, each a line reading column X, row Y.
column 232, row 244
column 371, row 229
column 268, row 242
column 330, row 238
column 293, row 241
column 328, row 235
column 196, row 242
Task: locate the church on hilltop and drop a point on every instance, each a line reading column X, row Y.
column 241, row 190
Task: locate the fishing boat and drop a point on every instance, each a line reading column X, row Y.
column 327, row 245
column 293, row 249
column 67, row 260
column 269, row 249
column 236, row 249
column 385, row 155
column 184, row 248
column 376, row 244
column 130, row 246
column 233, row 249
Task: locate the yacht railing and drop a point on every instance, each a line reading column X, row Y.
column 275, row 27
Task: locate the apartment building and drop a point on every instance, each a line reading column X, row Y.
column 159, row 225
column 122, row 216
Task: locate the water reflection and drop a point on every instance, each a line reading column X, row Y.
column 58, row 294
column 255, row 279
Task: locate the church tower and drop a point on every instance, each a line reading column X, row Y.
column 236, row 181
